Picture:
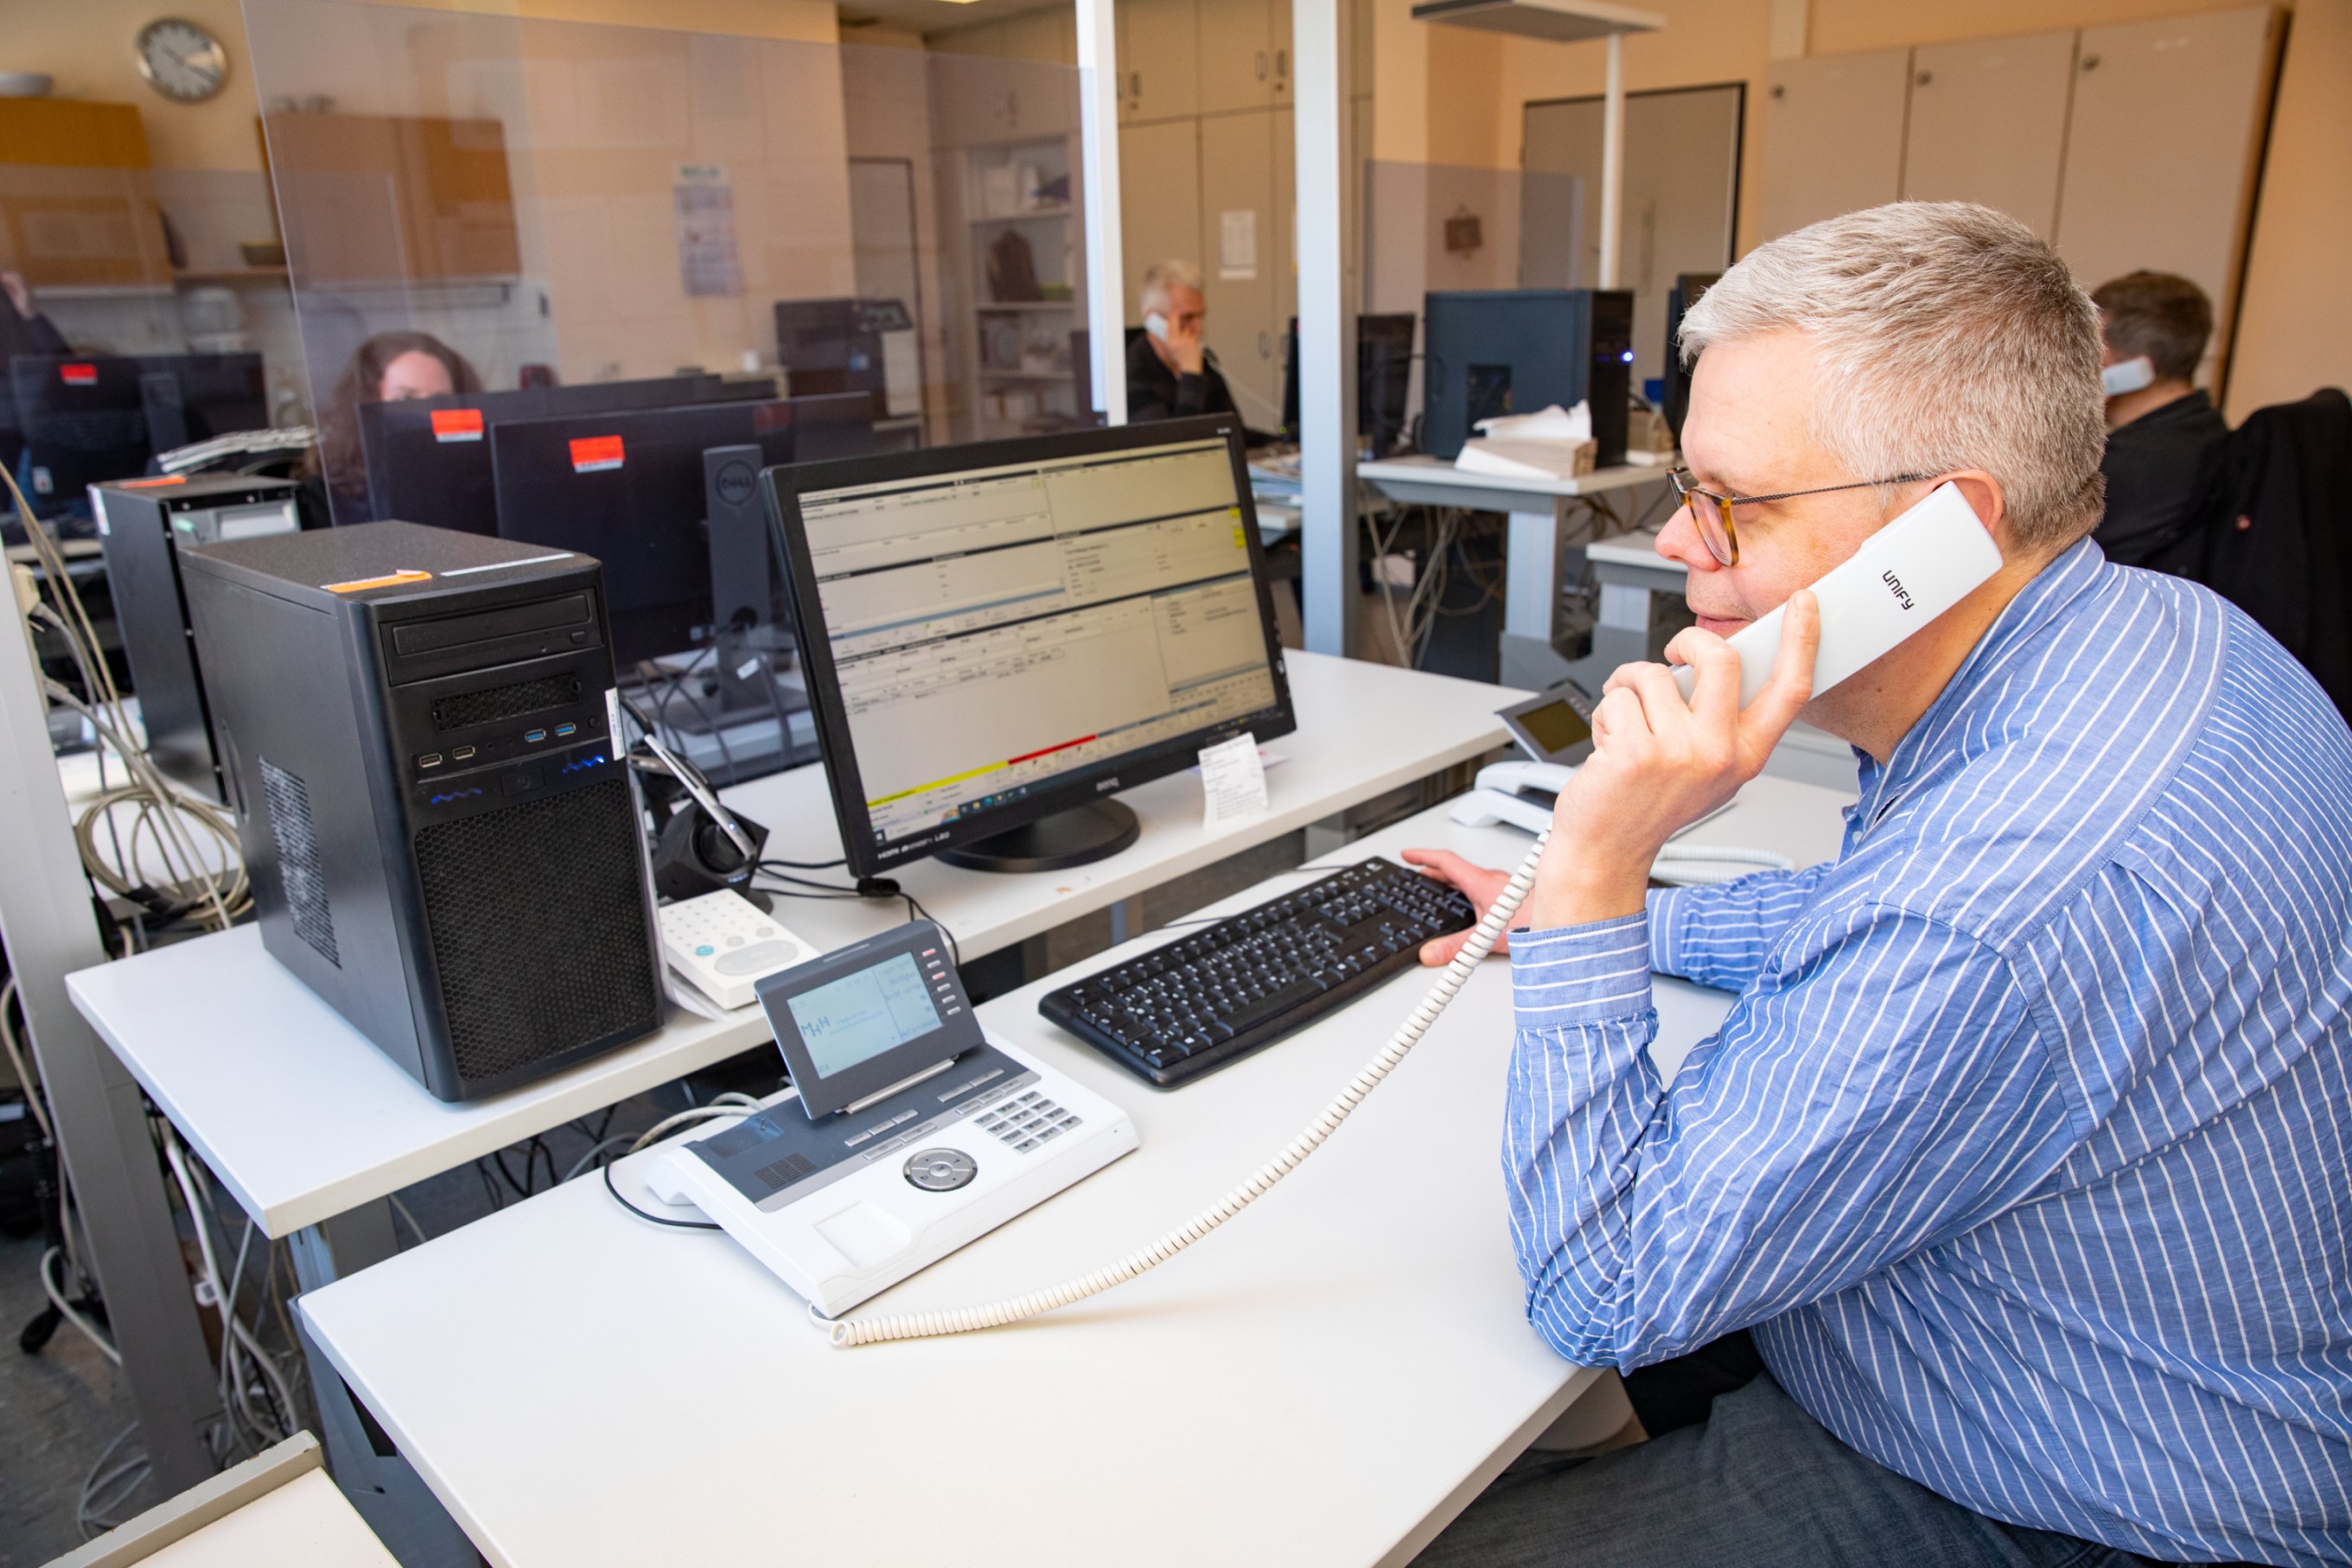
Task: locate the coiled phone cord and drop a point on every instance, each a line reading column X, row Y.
column 852, row 1332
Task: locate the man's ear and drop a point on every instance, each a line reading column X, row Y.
column 1983, row 494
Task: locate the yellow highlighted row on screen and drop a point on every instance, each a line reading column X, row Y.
column 939, row 784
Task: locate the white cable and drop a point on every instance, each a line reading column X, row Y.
column 849, row 1333
column 57, row 1300
column 18, row 1065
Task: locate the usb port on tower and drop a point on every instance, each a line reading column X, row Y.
column 429, row 760
column 533, row 737
column 563, row 730
column 462, row 754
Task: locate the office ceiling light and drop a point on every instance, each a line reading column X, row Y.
column 1560, row 21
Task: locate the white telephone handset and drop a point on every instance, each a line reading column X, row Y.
column 1910, row 572
column 1905, row 575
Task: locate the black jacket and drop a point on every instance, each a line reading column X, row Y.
column 2158, row 467
column 1155, row 392
column 2280, row 542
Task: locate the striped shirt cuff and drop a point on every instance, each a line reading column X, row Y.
column 1582, row 974
column 1665, row 930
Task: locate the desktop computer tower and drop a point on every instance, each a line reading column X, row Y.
column 1609, row 383
column 443, row 839
column 142, row 524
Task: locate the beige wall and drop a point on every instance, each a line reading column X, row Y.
column 2296, row 334
column 87, row 46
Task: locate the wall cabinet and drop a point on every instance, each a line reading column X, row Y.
column 1159, row 58
column 1237, row 212
column 2130, row 146
column 371, row 199
column 77, row 199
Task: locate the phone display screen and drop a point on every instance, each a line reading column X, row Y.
column 858, row 1017
column 1556, row 726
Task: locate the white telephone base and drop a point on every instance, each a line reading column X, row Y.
column 868, row 1197
column 1521, row 794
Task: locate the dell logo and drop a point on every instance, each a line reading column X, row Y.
column 1901, row 594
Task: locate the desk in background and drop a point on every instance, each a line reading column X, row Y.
column 1328, row 1380
column 1548, row 518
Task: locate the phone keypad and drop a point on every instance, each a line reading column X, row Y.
column 1026, row 1121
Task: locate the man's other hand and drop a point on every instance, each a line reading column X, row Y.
column 1479, row 885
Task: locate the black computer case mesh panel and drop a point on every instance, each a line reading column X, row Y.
column 510, row 701
column 288, row 801
column 536, row 928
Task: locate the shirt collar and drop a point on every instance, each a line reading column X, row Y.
column 1939, row 736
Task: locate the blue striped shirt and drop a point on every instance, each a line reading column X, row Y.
column 2023, row 1148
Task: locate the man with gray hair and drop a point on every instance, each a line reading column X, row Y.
column 1171, row 373
column 2018, row 1165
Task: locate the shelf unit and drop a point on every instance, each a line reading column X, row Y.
column 1020, row 348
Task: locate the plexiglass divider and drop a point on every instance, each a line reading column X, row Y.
column 699, row 241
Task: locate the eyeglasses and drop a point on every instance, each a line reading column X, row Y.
column 1711, row 513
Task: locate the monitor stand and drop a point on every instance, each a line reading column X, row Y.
column 1095, row 831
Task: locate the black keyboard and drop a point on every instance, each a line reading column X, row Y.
column 1193, row 1006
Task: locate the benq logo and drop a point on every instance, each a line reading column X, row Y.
column 1104, row 786
column 1901, row 594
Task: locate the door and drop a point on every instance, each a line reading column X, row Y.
column 1238, row 232
column 1833, row 137
column 1160, row 71
column 1236, row 55
column 2162, row 149
column 1160, row 200
column 1988, row 124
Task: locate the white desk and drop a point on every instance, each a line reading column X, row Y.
column 1547, row 516
column 1328, row 1380
column 303, row 1119
column 311, row 1127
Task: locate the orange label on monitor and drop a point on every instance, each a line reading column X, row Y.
column 594, row 454
column 77, row 374
column 389, row 580
column 457, row 425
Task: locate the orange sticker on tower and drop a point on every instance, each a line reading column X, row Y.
column 457, row 425
column 594, row 454
column 77, row 374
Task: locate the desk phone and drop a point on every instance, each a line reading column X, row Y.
column 913, row 1132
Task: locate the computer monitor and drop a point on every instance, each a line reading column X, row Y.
column 1517, row 351
column 86, row 419
column 1384, row 380
column 998, row 637
column 628, row 486
column 1688, row 287
column 428, row 458
column 850, row 345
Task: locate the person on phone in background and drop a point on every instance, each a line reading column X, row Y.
column 1169, row 372
column 2165, row 437
column 2002, row 1221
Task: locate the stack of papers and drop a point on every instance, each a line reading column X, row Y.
column 1555, row 443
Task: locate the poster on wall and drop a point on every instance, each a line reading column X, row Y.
column 706, row 261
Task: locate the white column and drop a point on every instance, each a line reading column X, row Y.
column 1326, row 326
column 1106, row 267
column 1612, row 160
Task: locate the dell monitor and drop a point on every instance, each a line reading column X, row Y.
column 1384, row 380
column 1518, row 351
column 996, row 637
column 428, row 458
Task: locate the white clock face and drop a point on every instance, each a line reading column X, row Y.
column 180, row 61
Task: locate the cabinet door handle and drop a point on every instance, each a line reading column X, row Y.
column 1261, row 65
column 1135, row 87
column 1265, row 346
